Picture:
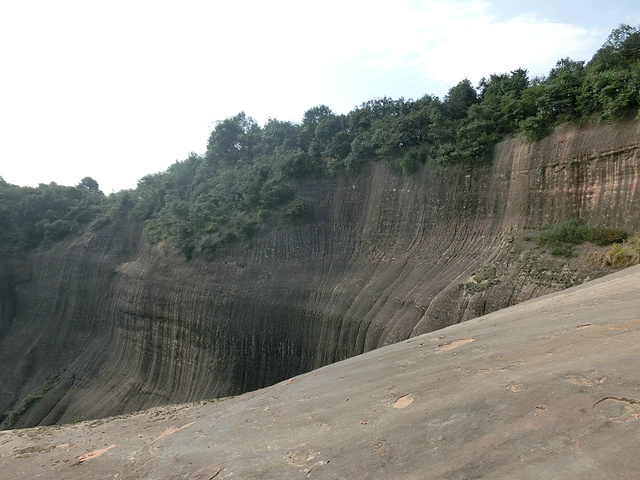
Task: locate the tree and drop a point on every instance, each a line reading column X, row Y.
column 278, row 134
column 233, row 140
column 612, row 83
column 89, row 183
column 151, row 193
column 611, row 94
column 622, row 47
column 311, row 118
column 459, row 99
column 501, row 100
column 328, row 127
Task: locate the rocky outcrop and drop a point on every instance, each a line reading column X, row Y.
column 106, row 323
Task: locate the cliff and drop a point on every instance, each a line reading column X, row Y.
column 542, row 390
column 106, row 324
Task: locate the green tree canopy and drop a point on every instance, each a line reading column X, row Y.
column 233, row 140
column 459, row 99
column 89, row 183
column 250, row 176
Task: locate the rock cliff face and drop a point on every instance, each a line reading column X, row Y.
column 107, row 324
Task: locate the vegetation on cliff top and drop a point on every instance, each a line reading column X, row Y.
column 247, row 178
column 30, row 217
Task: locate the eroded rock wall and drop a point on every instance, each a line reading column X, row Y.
column 106, row 324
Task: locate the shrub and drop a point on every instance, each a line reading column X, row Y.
column 562, row 249
column 560, row 238
column 411, row 160
column 605, row 235
column 298, row 211
column 275, row 192
column 572, row 232
column 409, row 163
column 623, row 255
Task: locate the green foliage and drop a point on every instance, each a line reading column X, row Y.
column 561, row 238
column 233, row 140
column 559, row 99
column 200, row 205
column 90, row 183
column 298, row 211
column 611, row 94
column 605, row 235
column 31, row 399
column 621, row 48
column 459, row 99
column 279, row 135
column 623, row 255
column 411, row 161
column 536, row 127
column 275, row 192
column 562, row 249
column 30, row 217
column 553, row 100
column 247, row 179
column 501, row 101
column 611, row 88
column 573, row 232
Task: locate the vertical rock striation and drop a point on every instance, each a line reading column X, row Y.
column 106, row 324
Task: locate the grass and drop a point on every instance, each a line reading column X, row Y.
column 561, row 238
column 623, row 255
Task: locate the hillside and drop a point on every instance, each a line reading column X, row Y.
column 546, row 389
column 106, row 323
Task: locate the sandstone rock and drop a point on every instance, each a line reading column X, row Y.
column 547, row 389
column 106, row 324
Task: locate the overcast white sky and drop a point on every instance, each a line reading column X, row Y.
column 116, row 90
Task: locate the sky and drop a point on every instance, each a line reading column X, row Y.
column 116, row 90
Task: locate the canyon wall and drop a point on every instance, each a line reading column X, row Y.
column 106, row 323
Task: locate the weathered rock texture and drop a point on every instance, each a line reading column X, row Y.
column 547, row 389
column 106, row 324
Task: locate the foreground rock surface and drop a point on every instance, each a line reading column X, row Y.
column 545, row 389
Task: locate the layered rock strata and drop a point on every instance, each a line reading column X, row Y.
column 106, row 323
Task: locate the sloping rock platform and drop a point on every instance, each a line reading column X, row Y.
column 546, row 389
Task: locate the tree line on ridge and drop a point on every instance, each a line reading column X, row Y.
column 248, row 177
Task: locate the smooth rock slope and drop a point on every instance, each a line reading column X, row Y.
column 543, row 390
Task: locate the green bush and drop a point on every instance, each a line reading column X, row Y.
column 298, row 210
column 605, row 235
column 562, row 249
column 572, row 232
column 623, row 255
column 562, row 237
column 410, row 162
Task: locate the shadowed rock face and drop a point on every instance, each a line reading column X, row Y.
column 107, row 324
column 542, row 390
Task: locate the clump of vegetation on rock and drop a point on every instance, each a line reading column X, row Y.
column 32, row 399
column 561, row 238
column 623, row 255
column 483, row 279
